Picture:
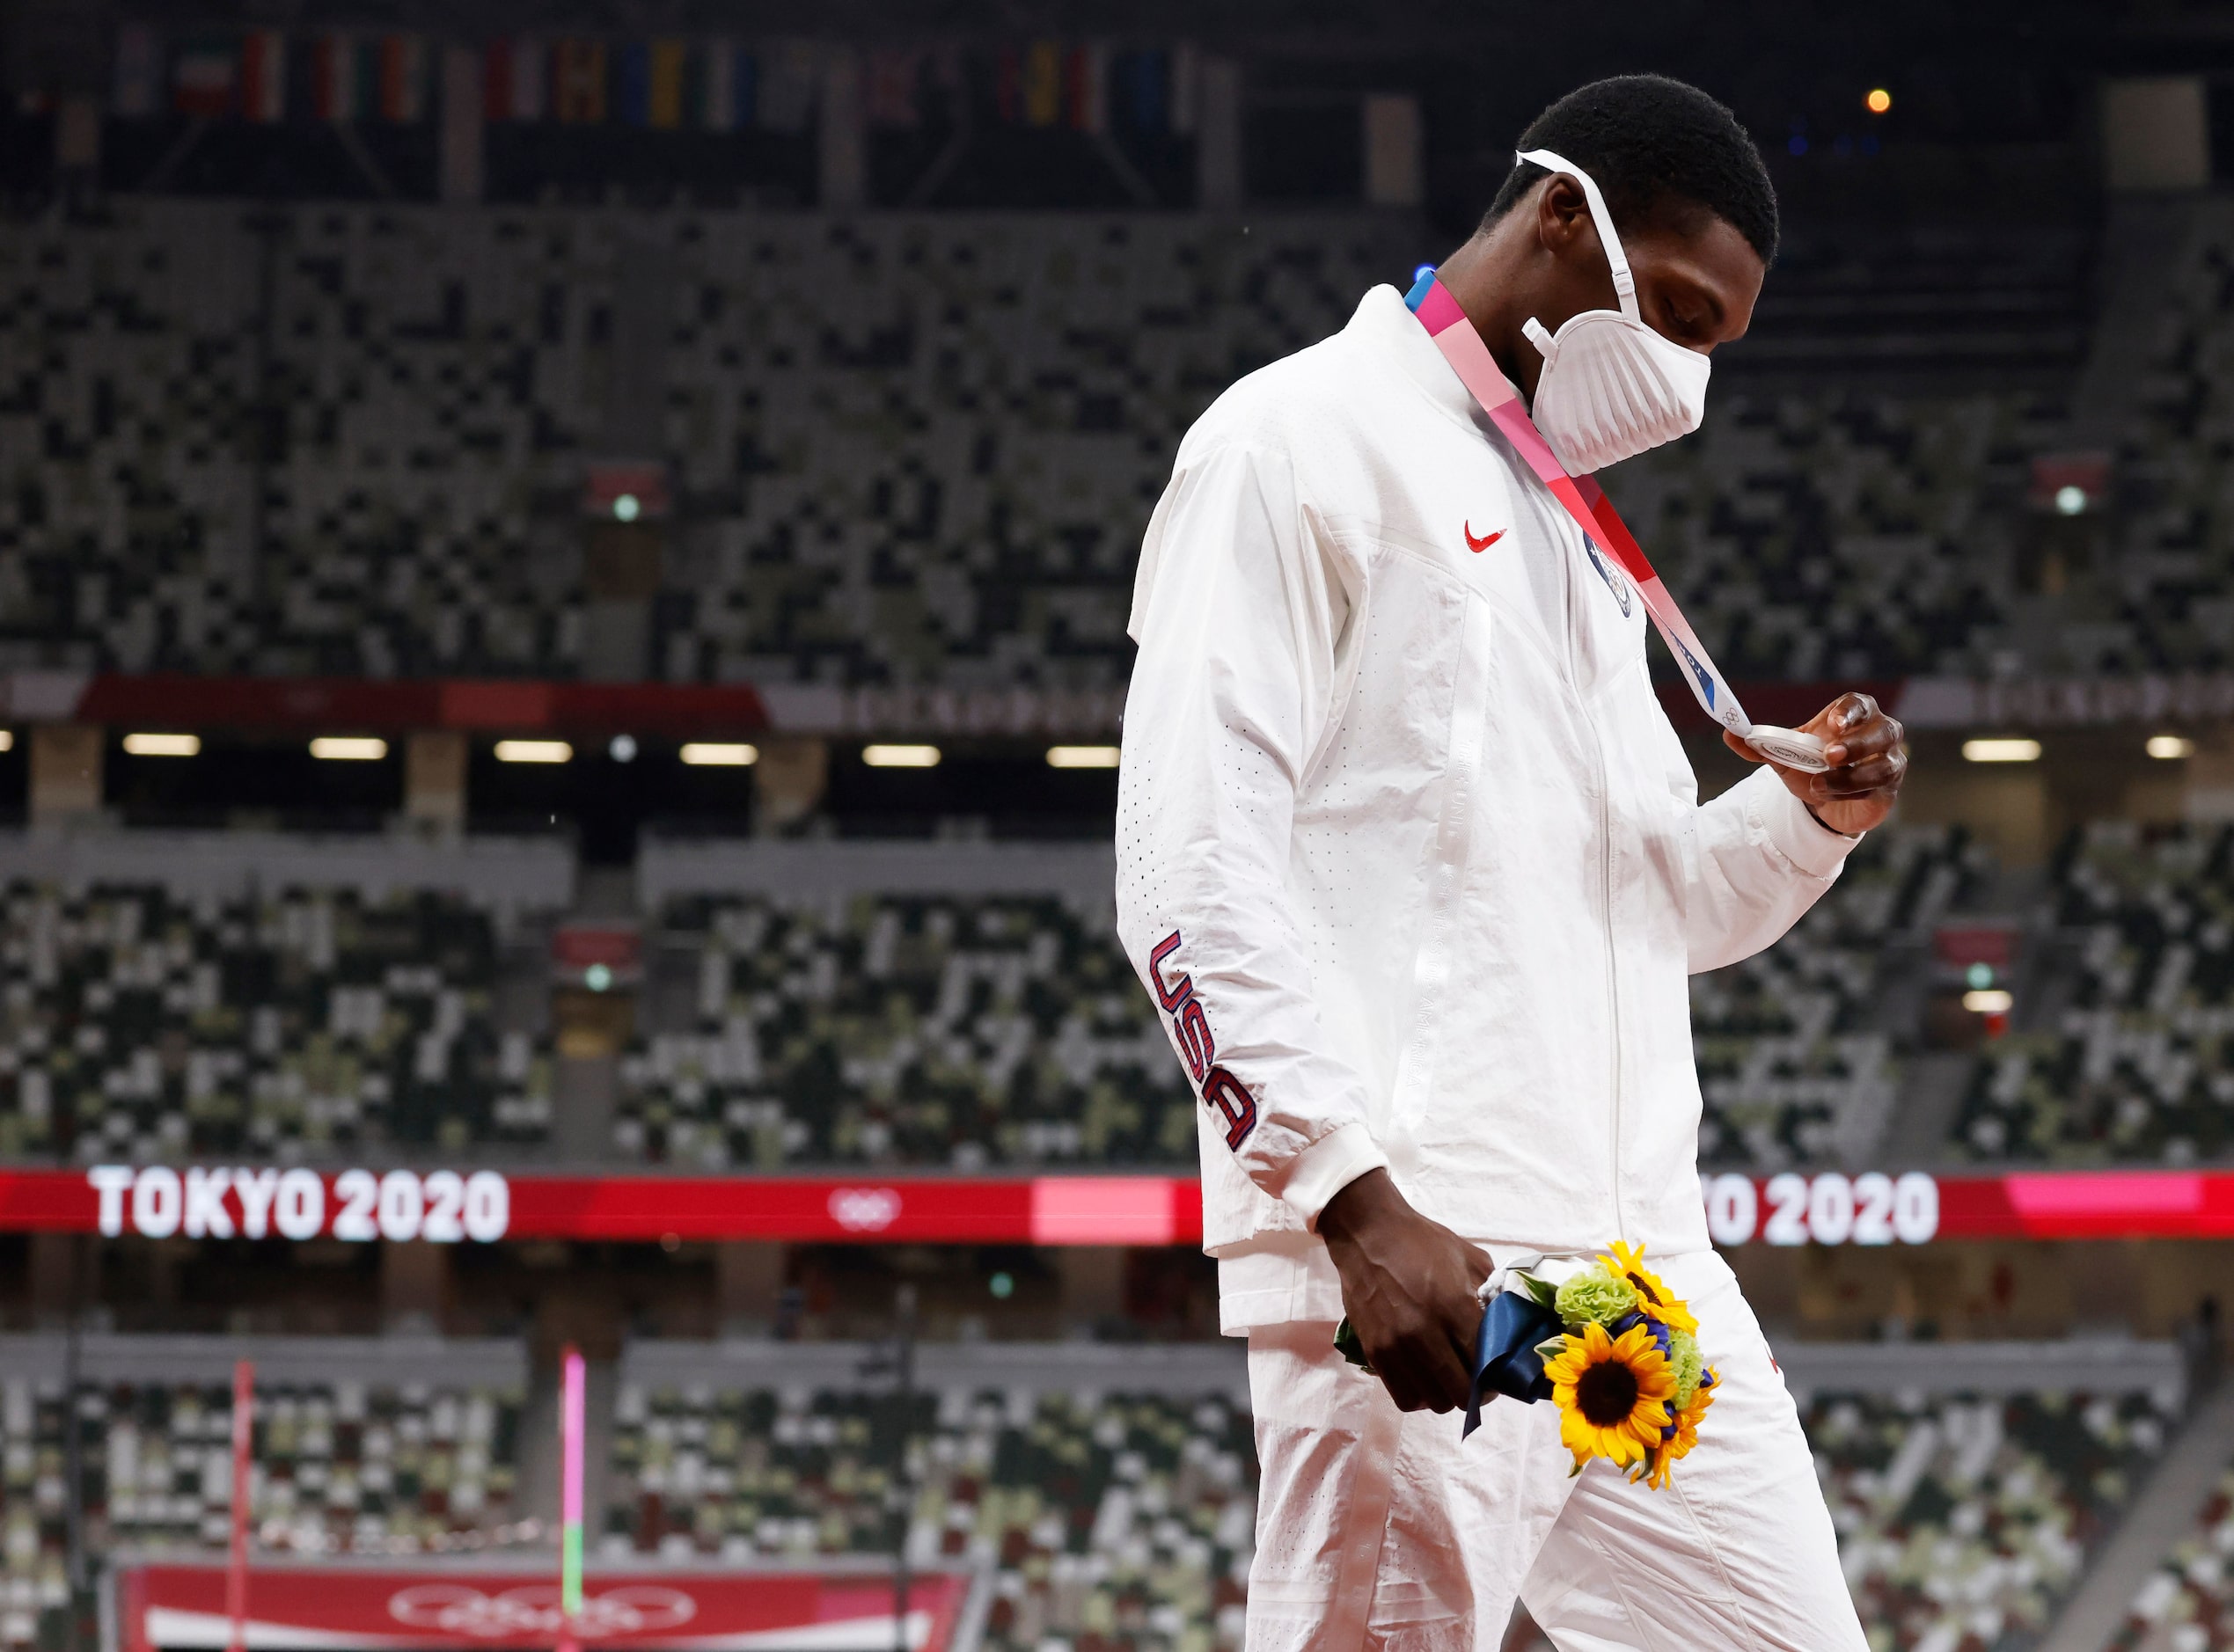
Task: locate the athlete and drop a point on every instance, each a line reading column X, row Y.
column 1415, row 866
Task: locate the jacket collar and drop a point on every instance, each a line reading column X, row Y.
column 1391, row 332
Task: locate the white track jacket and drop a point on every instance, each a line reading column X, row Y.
column 1408, row 852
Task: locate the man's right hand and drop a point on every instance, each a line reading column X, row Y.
column 1408, row 1285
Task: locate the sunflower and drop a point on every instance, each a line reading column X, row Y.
column 1683, row 1433
column 1612, row 1394
column 1627, row 1261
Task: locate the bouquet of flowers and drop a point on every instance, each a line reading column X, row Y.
column 1608, row 1342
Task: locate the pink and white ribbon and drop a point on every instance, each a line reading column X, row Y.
column 1595, row 514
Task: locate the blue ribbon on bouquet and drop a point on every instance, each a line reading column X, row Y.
column 1506, row 1361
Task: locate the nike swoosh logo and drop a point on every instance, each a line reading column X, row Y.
column 1479, row 545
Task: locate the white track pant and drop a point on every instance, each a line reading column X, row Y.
column 1379, row 1530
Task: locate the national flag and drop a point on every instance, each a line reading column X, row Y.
column 581, row 82
column 201, row 77
column 263, row 75
column 892, row 79
column 1042, row 83
column 784, row 99
column 631, row 83
column 345, row 78
column 403, row 79
column 138, row 72
column 1185, row 84
column 669, row 59
column 1146, row 98
column 514, row 80
column 724, row 87
column 1086, row 81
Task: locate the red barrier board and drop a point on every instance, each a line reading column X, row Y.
column 437, row 1607
column 446, row 1206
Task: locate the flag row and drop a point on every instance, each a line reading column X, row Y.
column 710, row 86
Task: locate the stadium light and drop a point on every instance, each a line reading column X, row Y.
column 1989, row 1001
column 533, row 751
column 1082, row 757
column 162, row 745
column 348, row 748
column 7, row 739
column 2171, row 747
column 1879, row 100
column 2001, row 750
column 714, row 754
column 900, row 756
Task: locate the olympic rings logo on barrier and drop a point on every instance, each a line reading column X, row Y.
column 864, row 1209
column 533, row 1609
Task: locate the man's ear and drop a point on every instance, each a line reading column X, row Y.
column 1563, row 215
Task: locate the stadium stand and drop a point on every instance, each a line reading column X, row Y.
column 2173, row 531
column 1796, row 1063
column 141, row 1024
column 268, row 994
column 1963, row 1514
column 1964, row 1521
column 1123, row 1519
column 934, row 1029
column 35, row 1579
column 1812, row 536
column 2130, row 1066
column 2189, row 1605
column 388, row 1445
column 835, row 1005
column 945, row 484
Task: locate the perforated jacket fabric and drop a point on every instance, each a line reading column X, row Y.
column 1406, row 848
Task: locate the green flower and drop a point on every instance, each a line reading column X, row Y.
column 1683, row 1354
column 1596, row 1297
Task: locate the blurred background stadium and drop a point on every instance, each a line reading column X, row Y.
column 562, row 579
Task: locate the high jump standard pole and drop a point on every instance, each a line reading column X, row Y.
column 244, row 1436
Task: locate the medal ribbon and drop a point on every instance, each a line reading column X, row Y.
column 1585, row 501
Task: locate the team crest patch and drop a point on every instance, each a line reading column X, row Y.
column 1614, row 582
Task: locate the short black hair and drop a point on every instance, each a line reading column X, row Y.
column 1646, row 139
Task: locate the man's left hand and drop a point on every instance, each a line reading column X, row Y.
column 1868, row 762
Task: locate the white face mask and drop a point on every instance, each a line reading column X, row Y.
column 1611, row 388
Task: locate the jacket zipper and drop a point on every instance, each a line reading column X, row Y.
column 1605, row 886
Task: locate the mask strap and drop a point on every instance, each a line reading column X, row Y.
column 1624, row 283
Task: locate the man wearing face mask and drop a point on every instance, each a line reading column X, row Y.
column 1414, row 865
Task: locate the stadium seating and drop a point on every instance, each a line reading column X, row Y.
column 1962, row 1523
column 137, row 1024
column 2187, row 1605
column 342, row 1465
column 34, row 1580
column 905, row 449
column 1795, row 1063
column 1122, row 1521
column 1962, row 1520
column 2170, row 564
column 2132, row 1068
column 1813, row 537
column 938, row 1030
